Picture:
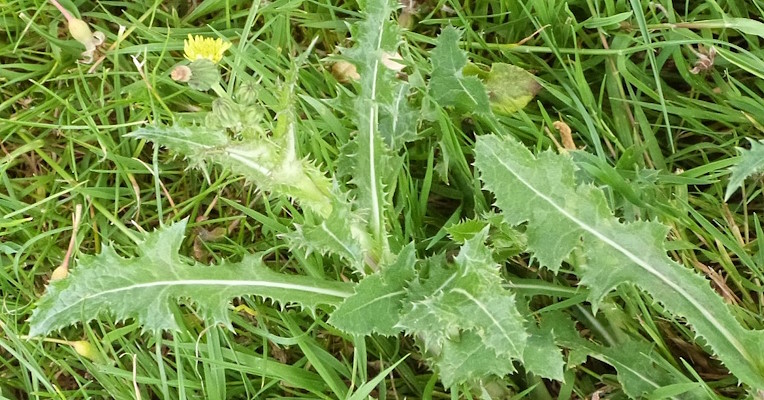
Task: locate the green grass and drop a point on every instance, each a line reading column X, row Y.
column 622, row 82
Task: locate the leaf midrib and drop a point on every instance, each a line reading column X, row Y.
column 633, row 257
column 202, row 282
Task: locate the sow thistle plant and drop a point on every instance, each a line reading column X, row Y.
column 471, row 326
column 233, row 134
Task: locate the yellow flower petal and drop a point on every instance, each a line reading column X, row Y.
column 199, row 47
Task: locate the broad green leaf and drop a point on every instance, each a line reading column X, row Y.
column 751, row 162
column 542, row 356
column 145, row 287
column 463, row 312
column 562, row 217
column 376, row 305
column 397, row 118
column 465, row 358
column 448, row 85
column 267, row 165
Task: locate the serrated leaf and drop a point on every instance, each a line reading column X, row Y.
column 376, row 305
column 466, row 358
column 562, row 217
column 464, row 230
column 542, row 357
column 375, row 36
column 145, row 287
column 397, row 119
column 749, row 163
column 450, row 304
column 448, row 85
column 261, row 162
column 342, row 234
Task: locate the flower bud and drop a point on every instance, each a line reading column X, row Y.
column 212, row 121
column 251, row 116
column 227, row 113
column 204, row 74
column 345, row 72
column 246, row 95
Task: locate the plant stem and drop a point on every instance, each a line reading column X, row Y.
column 63, row 10
column 220, row 91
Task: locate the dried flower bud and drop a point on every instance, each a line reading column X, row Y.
column 80, row 30
column 389, row 60
column 345, row 72
column 406, row 20
column 59, row 273
column 86, row 350
column 566, row 135
column 705, row 60
column 181, row 73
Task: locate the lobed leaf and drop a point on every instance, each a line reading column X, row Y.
column 562, row 217
column 542, row 356
column 376, row 305
column 145, row 287
column 468, row 323
column 342, row 233
column 465, row 358
column 639, row 371
column 448, row 85
column 375, row 36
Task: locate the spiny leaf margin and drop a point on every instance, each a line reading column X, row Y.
column 562, row 217
column 144, row 287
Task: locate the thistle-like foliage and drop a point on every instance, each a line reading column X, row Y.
column 375, row 37
column 342, row 234
column 751, row 162
column 147, row 287
column 562, row 217
column 263, row 162
column 381, row 295
column 467, row 323
column 448, row 85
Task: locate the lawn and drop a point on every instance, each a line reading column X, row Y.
column 307, row 199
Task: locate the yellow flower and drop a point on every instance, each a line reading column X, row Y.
column 198, row 47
